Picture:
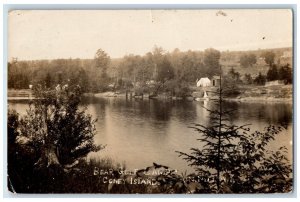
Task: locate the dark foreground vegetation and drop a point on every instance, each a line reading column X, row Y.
column 48, row 148
column 235, row 158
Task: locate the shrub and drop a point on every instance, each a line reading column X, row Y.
column 49, row 140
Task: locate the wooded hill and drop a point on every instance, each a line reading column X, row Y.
column 103, row 73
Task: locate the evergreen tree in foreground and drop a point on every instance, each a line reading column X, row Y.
column 236, row 160
column 57, row 130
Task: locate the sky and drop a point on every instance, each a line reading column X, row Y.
column 52, row 34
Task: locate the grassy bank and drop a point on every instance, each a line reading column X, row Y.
column 279, row 93
column 253, row 93
column 247, row 93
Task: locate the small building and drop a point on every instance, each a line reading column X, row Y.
column 203, row 82
column 216, row 80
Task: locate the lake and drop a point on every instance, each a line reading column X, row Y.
column 140, row 132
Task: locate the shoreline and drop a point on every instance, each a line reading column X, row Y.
column 266, row 98
column 260, row 99
column 244, row 99
column 236, row 99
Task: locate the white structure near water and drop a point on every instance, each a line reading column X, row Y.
column 203, row 82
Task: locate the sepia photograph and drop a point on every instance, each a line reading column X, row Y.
column 150, row 101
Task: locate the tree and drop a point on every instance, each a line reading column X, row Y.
column 236, row 160
column 188, row 67
column 233, row 75
column 80, row 79
column 18, row 75
column 157, row 54
column 102, row 61
column 60, row 78
column 248, row 79
column 56, row 130
column 285, row 74
column 84, row 81
column 132, row 66
column 260, row 79
column 211, row 60
column 165, row 71
column 11, row 75
column 247, row 60
column 48, row 80
column 272, row 73
column 230, row 82
column 98, row 75
column 269, row 57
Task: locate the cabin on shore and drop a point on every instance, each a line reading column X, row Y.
column 216, row 81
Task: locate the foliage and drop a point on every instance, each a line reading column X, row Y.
column 18, row 75
column 236, row 160
column 134, row 68
column 211, row 60
column 81, row 79
column 12, row 125
column 99, row 77
column 269, row 57
column 233, row 75
column 247, row 60
column 188, row 66
column 20, row 160
column 58, row 131
column 272, row 73
column 49, row 140
column 102, row 61
column 165, row 71
column 230, row 82
column 285, row 74
column 177, row 88
column 48, row 80
column 260, row 79
column 248, row 79
column 100, row 72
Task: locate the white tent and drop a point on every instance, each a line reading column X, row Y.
column 203, row 82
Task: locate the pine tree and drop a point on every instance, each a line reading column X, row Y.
column 234, row 159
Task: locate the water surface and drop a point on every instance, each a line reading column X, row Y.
column 140, row 132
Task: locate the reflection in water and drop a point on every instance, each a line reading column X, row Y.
column 271, row 113
column 141, row 132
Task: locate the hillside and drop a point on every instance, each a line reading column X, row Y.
column 230, row 59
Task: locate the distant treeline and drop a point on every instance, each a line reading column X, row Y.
column 174, row 70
